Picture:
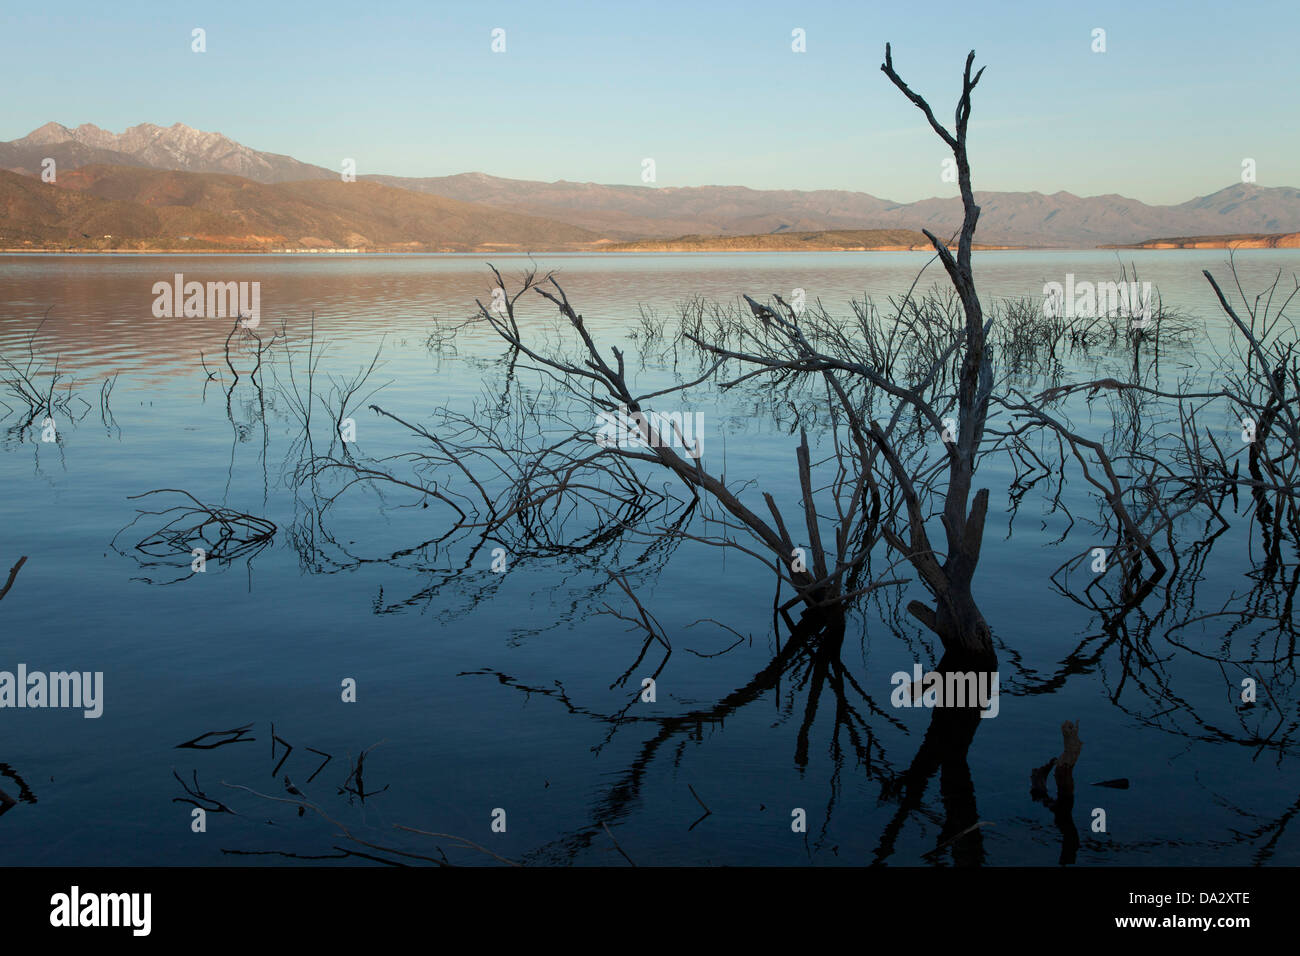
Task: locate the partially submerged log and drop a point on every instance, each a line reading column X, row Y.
column 1063, row 804
column 1069, row 757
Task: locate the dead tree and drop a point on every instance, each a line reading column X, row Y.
column 879, row 490
column 955, row 618
column 949, row 574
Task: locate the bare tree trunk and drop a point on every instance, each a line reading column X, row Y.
column 956, row 617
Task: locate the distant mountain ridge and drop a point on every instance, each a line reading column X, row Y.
column 176, row 147
column 136, row 208
column 1006, row 218
column 630, row 213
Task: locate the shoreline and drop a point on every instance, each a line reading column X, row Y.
column 1161, row 247
column 1285, row 241
column 82, row 251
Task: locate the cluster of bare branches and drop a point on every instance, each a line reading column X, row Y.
column 1175, row 450
column 215, row 533
column 36, row 389
column 537, row 478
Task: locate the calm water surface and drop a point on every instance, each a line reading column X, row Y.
column 480, row 691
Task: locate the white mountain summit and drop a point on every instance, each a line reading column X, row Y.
column 179, row 147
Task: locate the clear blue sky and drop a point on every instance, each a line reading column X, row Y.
column 710, row 90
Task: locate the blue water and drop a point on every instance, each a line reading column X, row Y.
column 481, row 691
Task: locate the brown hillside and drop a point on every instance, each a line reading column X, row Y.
column 147, row 208
column 1284, row 240
column 37, row 213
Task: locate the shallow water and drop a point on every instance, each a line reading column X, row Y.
column 494, row 690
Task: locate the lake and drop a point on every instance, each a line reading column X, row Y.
column 478, row 691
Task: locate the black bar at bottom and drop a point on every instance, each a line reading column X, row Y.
column 608, row 905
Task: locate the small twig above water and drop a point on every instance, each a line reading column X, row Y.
column 707, row 811
column 630, row 861
column 13, row 573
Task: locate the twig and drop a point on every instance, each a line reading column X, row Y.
column 707, row 811
column 617, row 847
column 13, row 573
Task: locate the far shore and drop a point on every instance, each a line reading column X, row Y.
column 1286, row 240
column 686, row 245
column 31, row 250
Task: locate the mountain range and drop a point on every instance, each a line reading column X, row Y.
column 131, row 207
column 153, row 186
